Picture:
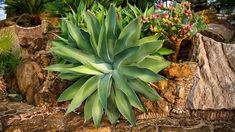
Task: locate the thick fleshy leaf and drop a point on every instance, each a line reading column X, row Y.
column 70, row 92
column 63, row 27
column 88, row 107
column 122, row 56
column 144, row 89
column 70, row 76
column 135, row 9
column 144, row 51
column 93, row 27
column 153, row 65
column 81, row 57
column 85, row 91
column 110, row 29
column 140, row 105
column 76, row 34
column 60, row 67
column 103, row 89
column 148, row 39
column 165, row 51
column 81, row 8
column 97, row 111
column 112, row 111
column 141, row 73
column 124, row 106
column 85, row 70
column 121, row 83
column 149, row 11
column 102, row 45
column 73, row 53
column 128, row 36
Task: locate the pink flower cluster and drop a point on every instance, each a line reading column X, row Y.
column 186, row 4
column 153, row 29
column 188, row 13
column 186, row 29
column 159, row 6
column 144, row 19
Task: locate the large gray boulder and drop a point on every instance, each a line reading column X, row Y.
column 214, row 84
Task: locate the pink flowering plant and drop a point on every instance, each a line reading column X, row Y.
column 176, row 21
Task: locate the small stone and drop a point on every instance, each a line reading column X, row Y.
column 105, row 129
column 26, row 76
column 162, row 85
column 189, row 122
column 11, row 112
column 220, row 30
column 145, row 128
column 170, row 129
column 163, row 107
column 169, row 97
column 182, row 93
column 201, row 129
column 3, row 108
column 224, row 129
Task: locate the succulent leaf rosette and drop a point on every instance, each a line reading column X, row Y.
column 110, row 65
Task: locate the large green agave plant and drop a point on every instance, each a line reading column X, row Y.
column 111, row 66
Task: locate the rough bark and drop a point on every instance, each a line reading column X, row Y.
column 214, row 84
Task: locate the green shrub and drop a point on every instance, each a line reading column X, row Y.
column 8, row 56
column 60, row 8
column 6, row 40
column 8, row 63
column 16, row 7
column 110, row 64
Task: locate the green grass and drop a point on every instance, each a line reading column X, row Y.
column 6, row 40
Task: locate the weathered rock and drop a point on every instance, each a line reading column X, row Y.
column 170, row 129
column 31, row 46
column 180, row 70
column 17, row 116
column 223, row 115
column 2, row 88
column 27, row 78
column 219, row 32
column 201, row 129
column 214, row 86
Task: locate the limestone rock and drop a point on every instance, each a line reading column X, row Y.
column 219, row 32
column 214, row 84
column 27, row 78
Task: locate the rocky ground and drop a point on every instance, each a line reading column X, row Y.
column 21, row 117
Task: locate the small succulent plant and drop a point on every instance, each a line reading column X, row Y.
column 176, row 21
column 110, row 64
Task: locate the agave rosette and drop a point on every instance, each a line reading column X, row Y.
column 110, row 64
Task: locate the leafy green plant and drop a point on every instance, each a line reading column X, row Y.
column 176, row 21
column 8, row 60
column 59, row 7
column 6, row 40
column 110, row 64
column 8, row 63
column 16, row 7
column 142, row 4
